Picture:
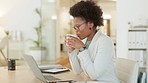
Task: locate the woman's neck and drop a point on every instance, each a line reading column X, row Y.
column 90, row 37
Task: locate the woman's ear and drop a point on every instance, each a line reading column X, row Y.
column 91, row 25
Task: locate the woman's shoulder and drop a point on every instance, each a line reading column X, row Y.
column 104, row 40
column 101, row 35
column 104, row 37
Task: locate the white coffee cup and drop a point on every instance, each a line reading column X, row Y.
column 73, row 35
column 68, row 35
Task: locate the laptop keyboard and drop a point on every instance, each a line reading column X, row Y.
column 50, row 78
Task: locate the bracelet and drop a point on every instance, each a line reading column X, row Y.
column 82, row 49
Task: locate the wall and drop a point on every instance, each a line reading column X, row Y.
column 49, row 29
column 134, row 11
column 63, row 21
column 109, row 9
column 20, row 15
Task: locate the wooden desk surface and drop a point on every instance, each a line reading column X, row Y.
column 23, row 74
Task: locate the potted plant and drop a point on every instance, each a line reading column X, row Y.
column 37, row 50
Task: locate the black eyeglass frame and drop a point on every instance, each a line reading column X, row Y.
column 76, row 27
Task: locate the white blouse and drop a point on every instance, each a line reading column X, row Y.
column 97, row 61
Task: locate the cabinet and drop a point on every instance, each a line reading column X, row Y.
column 138, row 47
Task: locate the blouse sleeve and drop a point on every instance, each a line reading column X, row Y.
column 74, row 61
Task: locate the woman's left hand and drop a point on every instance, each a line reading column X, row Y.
column 75, row 42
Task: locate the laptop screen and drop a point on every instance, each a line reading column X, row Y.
column 34, row 67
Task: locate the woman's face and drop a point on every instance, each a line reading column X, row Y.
column 81, row 27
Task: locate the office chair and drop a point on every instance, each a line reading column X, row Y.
column 127, row 70
column 3, row 43
column 143, row 80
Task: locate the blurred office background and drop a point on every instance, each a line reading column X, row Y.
column 38, row 27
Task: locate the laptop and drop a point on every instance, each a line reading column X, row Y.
column 38, row 74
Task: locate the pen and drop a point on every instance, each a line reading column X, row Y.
column 60, row 68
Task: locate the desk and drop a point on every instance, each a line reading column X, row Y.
column 23, row 74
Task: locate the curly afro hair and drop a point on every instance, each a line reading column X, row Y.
column 89, row 11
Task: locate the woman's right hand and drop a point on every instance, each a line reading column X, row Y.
column 70, row 48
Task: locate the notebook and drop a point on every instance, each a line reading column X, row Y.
column 38, row 74
column 53, row 68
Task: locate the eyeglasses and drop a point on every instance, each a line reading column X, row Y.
column 76, row 27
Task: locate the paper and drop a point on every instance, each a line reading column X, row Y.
column 51, row 66
column 53, row 69
column 56, row 70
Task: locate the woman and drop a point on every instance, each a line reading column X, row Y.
column 93, row 52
